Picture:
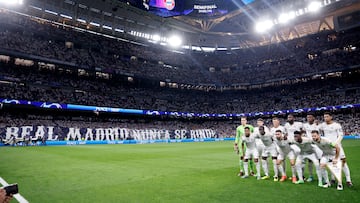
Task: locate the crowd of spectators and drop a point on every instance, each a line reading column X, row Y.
column 224, row 128
column 325, row 51
column 26, row 83
column 34, row 85
column 308, row 55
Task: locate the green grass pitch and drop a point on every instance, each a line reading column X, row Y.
column 176, row 172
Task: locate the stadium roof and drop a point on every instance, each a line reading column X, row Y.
column 204, row 23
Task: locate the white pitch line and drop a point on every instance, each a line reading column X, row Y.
column 18, row 197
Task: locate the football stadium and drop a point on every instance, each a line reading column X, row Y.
column 179, row 101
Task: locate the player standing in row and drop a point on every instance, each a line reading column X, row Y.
column 333, row 131
column 277, row 126
column 251, row 152
column 240, row 131
column 259, row 144
column 284, row 150
column 328, row 155
column 291, row 126
column 267, row 148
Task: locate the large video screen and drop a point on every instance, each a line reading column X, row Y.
column 166, row 4
column 167, row 8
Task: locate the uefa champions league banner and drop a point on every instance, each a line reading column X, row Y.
column 168, row 113
column 52, row 133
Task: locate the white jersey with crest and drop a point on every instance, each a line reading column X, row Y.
column 310, row 127
column 273, row 130
column 306, row 146
column 283, row 145
column 332, row 131
column 326, row 146
column 291, row 128
column 265, row 139
column 249, row 141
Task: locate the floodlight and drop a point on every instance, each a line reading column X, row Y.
column 291, row 15
column 66, row 16
column 174, row 41
column 286, row 17
column 283, row 18
column 263, row 26
column 314, row 6
column 156, row 38
column 11, row 2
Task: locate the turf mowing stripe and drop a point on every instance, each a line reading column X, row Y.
column 18, row 197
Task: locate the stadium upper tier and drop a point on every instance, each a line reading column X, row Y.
column 59, row 86
column 327, row 51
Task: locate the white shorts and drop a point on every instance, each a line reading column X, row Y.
column 342, row 153
column 251, row 153
column 327, row 158
column 301, row 157
column 318, row 151
column 259, row 146
column 296, row 149
column 270, row 150
column 281, row 155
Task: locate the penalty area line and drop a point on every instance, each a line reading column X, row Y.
column 18, row 197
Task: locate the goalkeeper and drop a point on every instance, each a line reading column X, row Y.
column 240, row 131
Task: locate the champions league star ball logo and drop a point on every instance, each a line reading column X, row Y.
column 11, row 101
column 169, row 4
column 51, row 105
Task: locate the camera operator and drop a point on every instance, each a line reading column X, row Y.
column 3, row 197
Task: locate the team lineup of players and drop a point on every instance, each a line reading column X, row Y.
column 319, row 144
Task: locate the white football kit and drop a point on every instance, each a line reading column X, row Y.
column 251, row 151
column 290, row 129
column 307, row 151
column 328, row 149
column 334, row 132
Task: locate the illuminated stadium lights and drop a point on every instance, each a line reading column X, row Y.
column 283, row 18
column 151, row 38
column 292, row 15
column 51, row 12
column 66, row 16
column 196, row 48
column 107, row 27
column 208, row 49
column 286, row 17
column 185, row 47
column 81, row 20
column 156, row 38
column 34, row 7
column 11, row 2
column 264, row 26
column 174, row 41
column 119, row 30
column 94, row 24
column 314, row 6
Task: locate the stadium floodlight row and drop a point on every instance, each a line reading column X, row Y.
column 283, row 18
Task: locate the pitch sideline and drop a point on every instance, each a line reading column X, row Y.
column 18, row 197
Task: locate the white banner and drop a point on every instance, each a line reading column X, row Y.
column 116, row 133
